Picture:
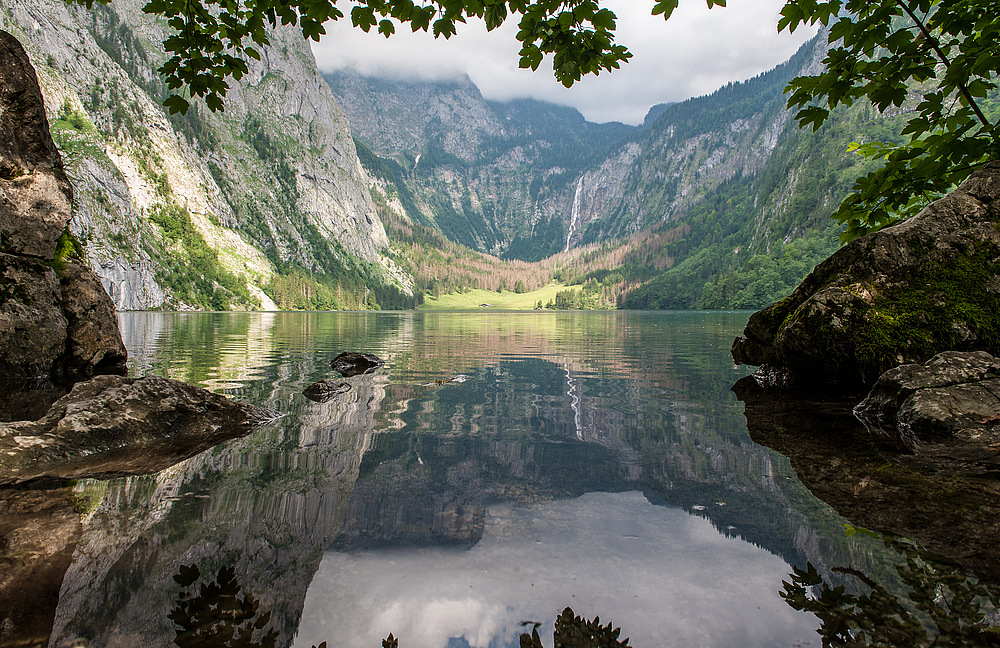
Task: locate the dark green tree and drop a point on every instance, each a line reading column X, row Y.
column 936, row 60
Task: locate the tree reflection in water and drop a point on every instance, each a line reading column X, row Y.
column 942, row 606
column 217, row 614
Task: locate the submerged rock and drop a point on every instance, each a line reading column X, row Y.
column 325, row 390
column 900, row 295
column 872, row 481
column 351, row 363
column 947, row 410
column 111, row 426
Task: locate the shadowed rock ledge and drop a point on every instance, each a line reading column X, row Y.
column 111, row 426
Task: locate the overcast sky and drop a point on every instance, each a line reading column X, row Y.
column 695, row 52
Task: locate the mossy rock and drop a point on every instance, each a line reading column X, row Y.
column 901, row 295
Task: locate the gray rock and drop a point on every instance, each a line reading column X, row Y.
column 953, row 398
column 55, row 319
column 325, row 390
column 93, row 342
column 112, row 425
column 351, row 363
column 901, row 295
column 35, row 195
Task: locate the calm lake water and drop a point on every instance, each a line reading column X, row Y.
column 501, row 467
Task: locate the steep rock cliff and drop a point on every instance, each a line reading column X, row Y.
column 270, row 185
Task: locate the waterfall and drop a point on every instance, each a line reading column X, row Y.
column 575, row 214
column 573, row 391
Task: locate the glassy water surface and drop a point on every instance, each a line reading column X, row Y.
column 499, row 468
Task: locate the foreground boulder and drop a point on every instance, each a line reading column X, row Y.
column 351, row 363
column 947, row 410
column 110, row 426
column 56, row 321
column 901, row 295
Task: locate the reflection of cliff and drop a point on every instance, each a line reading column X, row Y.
column 515, row 432
column 407, row 457
column 268, row 505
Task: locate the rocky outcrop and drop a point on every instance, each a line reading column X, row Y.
column 33, row 186
column 901, row 295
column 111, row 426
column 55, row 319
column 946, row 410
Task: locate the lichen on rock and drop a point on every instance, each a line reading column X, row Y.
column 900, row 295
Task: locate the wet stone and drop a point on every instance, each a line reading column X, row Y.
column 325, row 390
column 351, row 363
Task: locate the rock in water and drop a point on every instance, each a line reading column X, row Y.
column 350, row 363
column 111, row 425
column 325, row 390
column 900, row 295
column 56, row 321
column 950, row 403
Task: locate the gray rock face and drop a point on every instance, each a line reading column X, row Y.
column 954, row 397
column 901, row 295
column 55, row 319
column 35, row 195
column 111, row 425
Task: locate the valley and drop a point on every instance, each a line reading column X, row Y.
column 336, row 191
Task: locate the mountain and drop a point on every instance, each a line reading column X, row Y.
column 266, row 202
column 719, row 201
column 486, row 174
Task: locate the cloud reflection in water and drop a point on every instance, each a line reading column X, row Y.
column 664, row 576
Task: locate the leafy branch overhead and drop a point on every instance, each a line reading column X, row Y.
column 934, row 61
column 213, row 39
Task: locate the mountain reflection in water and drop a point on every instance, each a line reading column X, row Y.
column 591, row 460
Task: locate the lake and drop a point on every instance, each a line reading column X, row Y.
column 500, row 467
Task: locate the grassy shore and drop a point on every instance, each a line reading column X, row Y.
column 474, row 299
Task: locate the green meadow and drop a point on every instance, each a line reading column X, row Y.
column 473, row 299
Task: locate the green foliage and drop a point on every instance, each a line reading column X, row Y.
column 67, row 247
column 882, row 52
column 218, row 613
column 213, row 39
column 942, row 607
column 195, row 276
column 577, row 632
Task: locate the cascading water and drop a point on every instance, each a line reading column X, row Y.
column 573, row 391
column 575, row 214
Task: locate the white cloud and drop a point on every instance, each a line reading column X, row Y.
column 665, row 577
column 695, row 52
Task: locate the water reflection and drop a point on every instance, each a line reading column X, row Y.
column 597, row 460
column 938, row 604
column 661, row 573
